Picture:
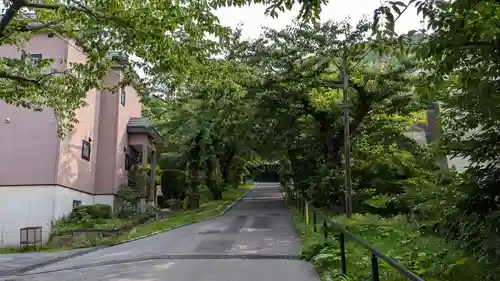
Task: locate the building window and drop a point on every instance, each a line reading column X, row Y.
column 122, row 96
column 32, row 59
column 76, row 204
column 86, row 150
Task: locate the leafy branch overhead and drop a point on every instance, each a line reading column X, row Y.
column 226, row 105
column 300, row 69
column 162, row 34
column 277, row 97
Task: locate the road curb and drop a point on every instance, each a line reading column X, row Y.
column 290, row 209
column 228, row 208
column 14, row 272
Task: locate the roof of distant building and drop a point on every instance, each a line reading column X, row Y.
column 142, row 125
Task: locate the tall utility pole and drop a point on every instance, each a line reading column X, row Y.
column 347, row 143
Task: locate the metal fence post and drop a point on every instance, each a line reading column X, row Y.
column 375, row 276
column 375, row 254
column 314, row 221
column 343, row 263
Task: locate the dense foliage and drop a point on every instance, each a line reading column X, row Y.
column 284, row 94
column 164, row 34
column 431, row 257
column 226, row 105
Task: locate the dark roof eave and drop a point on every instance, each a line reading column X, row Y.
column 152, row 132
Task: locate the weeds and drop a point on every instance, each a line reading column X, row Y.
column 428, row 256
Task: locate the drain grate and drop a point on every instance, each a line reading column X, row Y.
column 261, row 223
column 209, row 232
column 214, row 246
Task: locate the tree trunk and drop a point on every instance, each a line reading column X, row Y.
column 193, row 177
column 216, row 194
column 194, row 203
column 211, row 181
column 330, row 147
column 225, row 160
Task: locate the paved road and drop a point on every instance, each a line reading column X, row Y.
column 256, row 240
column 10, row 263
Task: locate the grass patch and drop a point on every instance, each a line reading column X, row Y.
column 208, row 208
column 44, row 248
column 429, row 256
column 96, row 223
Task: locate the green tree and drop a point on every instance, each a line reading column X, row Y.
column 299, row 89
column 162, row 34
column 206, row 121
column 461, row 75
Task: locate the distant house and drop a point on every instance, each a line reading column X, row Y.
column 418, row 132
column 425, row 134
column 43, row 177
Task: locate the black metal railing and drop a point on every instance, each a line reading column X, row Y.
column 293, row 197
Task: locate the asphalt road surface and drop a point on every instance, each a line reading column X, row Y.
column 255, row 240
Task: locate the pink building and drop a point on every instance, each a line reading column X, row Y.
column 42, row 177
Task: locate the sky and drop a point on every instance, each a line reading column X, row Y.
column 253, row 16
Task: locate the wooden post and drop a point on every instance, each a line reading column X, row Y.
column 152, row 191
column 307, row 213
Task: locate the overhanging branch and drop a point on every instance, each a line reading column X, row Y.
column 34, row 27
column 5, row 75
column 10, row 14
column 57, row 7
column 18, row 4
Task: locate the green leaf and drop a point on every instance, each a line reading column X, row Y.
column 398, row 3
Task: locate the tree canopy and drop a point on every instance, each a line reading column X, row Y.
column 226, row 105
column 162, row 34
column 281, row 102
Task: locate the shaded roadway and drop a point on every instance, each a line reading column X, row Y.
column 255, row 240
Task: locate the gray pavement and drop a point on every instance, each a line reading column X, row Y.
column 255, row 240
column 20, row 262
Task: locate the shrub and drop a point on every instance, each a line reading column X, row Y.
column 97, row 211
column 125, row 213
column 429, row 256
column 175, row 204
column 85, row 216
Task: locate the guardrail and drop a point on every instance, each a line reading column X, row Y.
column 292, row 196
